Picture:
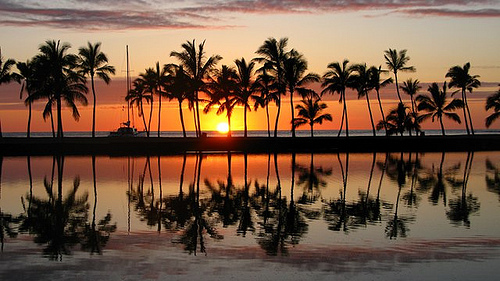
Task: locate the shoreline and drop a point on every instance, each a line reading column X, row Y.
column 124, row 146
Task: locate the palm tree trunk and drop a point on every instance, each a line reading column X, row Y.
column 291, row 105
column 370, row 112
column 397, row 86
column 229, row 125
column 195, row 122
column 159, row 112
column 268, row 125
column 382, row 111
column 182, row 119
column 28, row 131
column 468, row 113
column 144, row 120
column 52, row 125
column 441, row 123
column 245, row 119
column 341, row 122
column 465, row 115
column 277, row 117
column 346, row 119
column 198, row 115
column 150, row 116
column 94, row 104
column 59, row 118
column 312, row 130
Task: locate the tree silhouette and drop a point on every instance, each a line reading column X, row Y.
column 178, row 88
column 92, row 62
column 493, row 102
column 336, row 80
column 273, row 55
column 437, row 106
column 377, row 83
column 245, row 87
column 137, row 95
column 363, row 85
column 396, row 62
column 460, row 78
column 310, row 112
column 27, row 75
column 197, row 67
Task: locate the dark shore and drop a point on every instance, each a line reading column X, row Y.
column 121, row 146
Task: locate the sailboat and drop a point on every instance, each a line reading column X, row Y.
column 125, row 130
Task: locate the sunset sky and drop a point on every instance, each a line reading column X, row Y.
column 437, row 34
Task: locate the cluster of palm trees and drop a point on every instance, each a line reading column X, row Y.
column 56, row 76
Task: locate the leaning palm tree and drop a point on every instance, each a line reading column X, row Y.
column 460, row 78
column 396, row 62
column 310, row 112
column 295, row 66
column 437, row 106
column 411, row 88
column 377, row 83
column 363, row 86
column 265, row 85
column 336, row 80
column 273, row 55
column 493, row 102
column 59, row 81
column 245, row 87
column 93, row 62
column 197, row 66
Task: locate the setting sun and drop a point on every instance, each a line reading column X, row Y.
column 223, row 128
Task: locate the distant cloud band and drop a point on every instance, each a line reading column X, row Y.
column 198, row 14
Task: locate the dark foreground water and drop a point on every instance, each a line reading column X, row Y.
column 398, row 216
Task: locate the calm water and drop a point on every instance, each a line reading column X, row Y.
column 398, row 216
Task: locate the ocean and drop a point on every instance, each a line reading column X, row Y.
column 260, row 133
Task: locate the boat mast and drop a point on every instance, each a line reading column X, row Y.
column 128, row 90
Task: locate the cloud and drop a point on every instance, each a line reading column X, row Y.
column 199, row 14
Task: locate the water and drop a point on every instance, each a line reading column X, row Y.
column 261, row 133
column 425, row 216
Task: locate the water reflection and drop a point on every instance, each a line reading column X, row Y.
column 274, row 201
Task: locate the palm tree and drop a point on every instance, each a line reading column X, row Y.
column 493, row 101
column 310, row 113
column 437, row 106
column 336, row 80
column 396, row 62
column 197, row 67
column 397, row 121
column 377, row 83
column 363, row 85
column 59, row 81
column 137, row 96
column 178, row 88
column 460, row 78
column 93, row 62
column 26, row 73
column 411, row 88
column 222, row 93
column 295, row 66
column 245, row 87
column 265, row 84
column 273, row 56
column 5, row 70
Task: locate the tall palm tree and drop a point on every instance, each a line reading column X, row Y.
column 295, row 66
column 437, row 106
column 93, row 62
column 222, row 93
column 273, row 55
column 137, row 96
column 245, row 87
column 59, row 81
column 265, row 84
column 363, row 85
column 377, row 83
column 493, row 102
column 396, row 62
column 197, row 66
column 336, row 80
column 310, row 112
column 411, row 88
column 460, row 78
column 178, row 88
column 27, row 75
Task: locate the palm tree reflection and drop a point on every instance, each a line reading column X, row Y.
column 312, row 180
column 492, row 177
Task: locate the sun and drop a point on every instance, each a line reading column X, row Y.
column 223, row 128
